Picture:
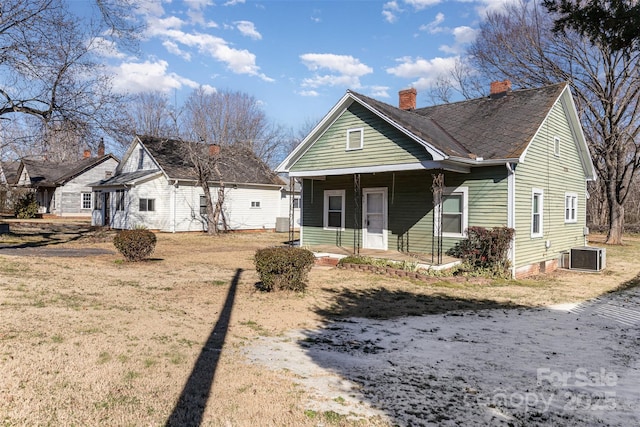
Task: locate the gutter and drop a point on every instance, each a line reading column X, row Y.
column 511, row 211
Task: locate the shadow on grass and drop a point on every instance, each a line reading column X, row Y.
column 383, row 303
column 193, row 400
column 625, row 286
column 47, row 235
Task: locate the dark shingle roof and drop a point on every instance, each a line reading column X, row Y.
column 125, row 178
column 10, row 170
column 499, row 128
column 43, row 173
column 236, row 164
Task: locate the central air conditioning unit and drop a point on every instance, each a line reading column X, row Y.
column 587, row 258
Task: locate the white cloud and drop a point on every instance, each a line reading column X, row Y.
column 462, row 36
column 424, row 71
column 248, row 29
column 106, row 48
column 421, row 4
column 344, row 64
column 379, row 91
column 434, row 27
column 157, row 26
column 175, row 49
column 308, row 93
column 487, row 6
column 240, row 61
column 148, row 76
column 390, row 10
column 233, row 2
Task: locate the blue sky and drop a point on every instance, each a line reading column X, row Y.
column 297, row 58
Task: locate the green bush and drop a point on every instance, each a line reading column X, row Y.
column 485, row 249
column 283, row 268
column 135, row 245
column 26, row 206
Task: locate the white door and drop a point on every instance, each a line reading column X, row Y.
column 374, row 221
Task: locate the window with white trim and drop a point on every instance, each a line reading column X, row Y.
column 255, row 204
column 85, row 200
column 147, row 205
column 296, row 203
column 355, row 139
column 334, row 209
column 454, row 212
column 570, row 207
column 556, row 146
column 537, row 205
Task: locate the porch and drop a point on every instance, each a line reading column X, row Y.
column 332, row 254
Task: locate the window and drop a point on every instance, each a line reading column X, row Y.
column 355, row 139
column 556, row 146
column 203, row 205
column 296, row 203
column 255, row 204
column 119, row 200
column 140, row 158
column 570, row 207
column 97, row 200
column 147, row 205
column 334, row 209
column 454, row 212
column 86, row 200
column 536, row 212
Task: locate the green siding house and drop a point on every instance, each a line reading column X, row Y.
column 515, row 158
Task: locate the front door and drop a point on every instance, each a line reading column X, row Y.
column 374, row 213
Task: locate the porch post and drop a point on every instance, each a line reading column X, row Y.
column 437, row 187
column 357, row 213
column 292, row 220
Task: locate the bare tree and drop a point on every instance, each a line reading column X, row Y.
column 224, row 126
column 151, row 113
column 520, row 44
column 50, row 70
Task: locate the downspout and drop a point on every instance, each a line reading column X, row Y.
column 511, row 213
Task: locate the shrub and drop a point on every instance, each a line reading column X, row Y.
column 135, row 245
column 485, row 249
column 26, row 206
column 283, row 268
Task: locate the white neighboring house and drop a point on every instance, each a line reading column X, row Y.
column 64, row 189
column 155, row 186
column 285, row 197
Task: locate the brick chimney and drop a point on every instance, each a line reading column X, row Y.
column 101, row 148
column 500, row 89
column 407, row 99
column 86, row 154
column 214, row 149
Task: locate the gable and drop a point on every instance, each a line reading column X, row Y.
column 382, row 144
column 561, row 123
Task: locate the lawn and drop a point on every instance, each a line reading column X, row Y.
column 98, row 341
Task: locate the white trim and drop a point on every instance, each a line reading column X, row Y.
column 325, row 209
column 511, row 213
column 258, row 204
column 538, row 191
column 90, row 193
column 556, row 146
column 428, row 165
column 385, row 216
column 349, row 131
column 464, row 192
column 570, row 196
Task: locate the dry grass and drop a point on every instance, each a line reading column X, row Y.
column 97, row 341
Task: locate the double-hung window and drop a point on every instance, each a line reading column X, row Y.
column 537, row 197
column 334, row 209
column 255, row 204
column 570, row 207
column 147, row 205
column 454, row 212
column 86, row 201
